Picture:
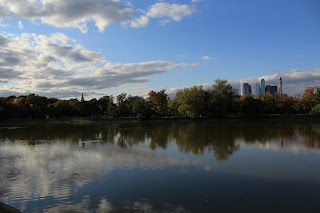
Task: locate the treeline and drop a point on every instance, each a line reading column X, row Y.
column 219, row 101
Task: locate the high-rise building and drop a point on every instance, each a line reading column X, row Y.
column 273, row 89
column 267, row 89
column 263, row 86
column 258, row 89
column 245, row 89
column 280, row 86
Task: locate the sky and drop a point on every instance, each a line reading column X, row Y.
column 59, row 48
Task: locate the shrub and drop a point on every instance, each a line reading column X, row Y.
column 316, row 110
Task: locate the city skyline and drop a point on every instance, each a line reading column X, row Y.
column 261, row 88
column 62, row 48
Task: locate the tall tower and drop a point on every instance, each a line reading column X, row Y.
column 258, row 90
column 280, row 86
column 245, row 89
column 263, row 86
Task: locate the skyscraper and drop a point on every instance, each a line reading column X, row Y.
column 245, row 89
column 263, row 86
column 280, row 86
column 273, row 89
column 267, row 89
column 258, row 89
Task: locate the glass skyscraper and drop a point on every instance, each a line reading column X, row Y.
column 263, row 86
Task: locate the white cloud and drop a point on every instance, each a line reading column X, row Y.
column 164, row 11
column 164, row 22
column 140, row 22
column 56, row 66
column 20, row 25
column 206, row 58
column 172, row 11
column 68, row 13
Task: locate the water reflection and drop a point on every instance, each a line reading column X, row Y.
column 220, row 138
column 52, row 165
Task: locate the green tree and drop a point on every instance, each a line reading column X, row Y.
column 138, row 108
column 37, row 106
column 191, row 101
column 315, row 111
column 122, row 105
column 251, row 108
column 173, row 107
column 270, row 103
column 92, row 108
column 105, row 105
column 75, row 107
column 61, row 108
column 221, row 98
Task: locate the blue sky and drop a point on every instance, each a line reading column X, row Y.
column 106, row 47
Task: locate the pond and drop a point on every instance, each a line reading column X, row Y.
column 185, row 166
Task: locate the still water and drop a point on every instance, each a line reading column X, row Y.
column 190, row 166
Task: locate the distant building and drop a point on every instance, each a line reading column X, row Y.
column 245, row 89
column 280, row 86
column 267, row 89
column 273, row 89
column 263, row 86
column 258, row 90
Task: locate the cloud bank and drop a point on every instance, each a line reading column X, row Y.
column 293, row 82
column 56, row 66
column 70, row 13
column 77, row 13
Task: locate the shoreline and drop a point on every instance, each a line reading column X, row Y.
column 274, row 117
column 4, row 208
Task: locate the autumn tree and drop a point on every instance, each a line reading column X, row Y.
column 310, row 98
column 286, row 105
column 158, row 102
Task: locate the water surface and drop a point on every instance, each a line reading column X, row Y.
column 196, row 166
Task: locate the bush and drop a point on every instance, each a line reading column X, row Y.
column 316, row 110
column 251, row 108
column 3, row 114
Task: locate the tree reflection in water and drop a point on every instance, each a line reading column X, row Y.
column 196, row 137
